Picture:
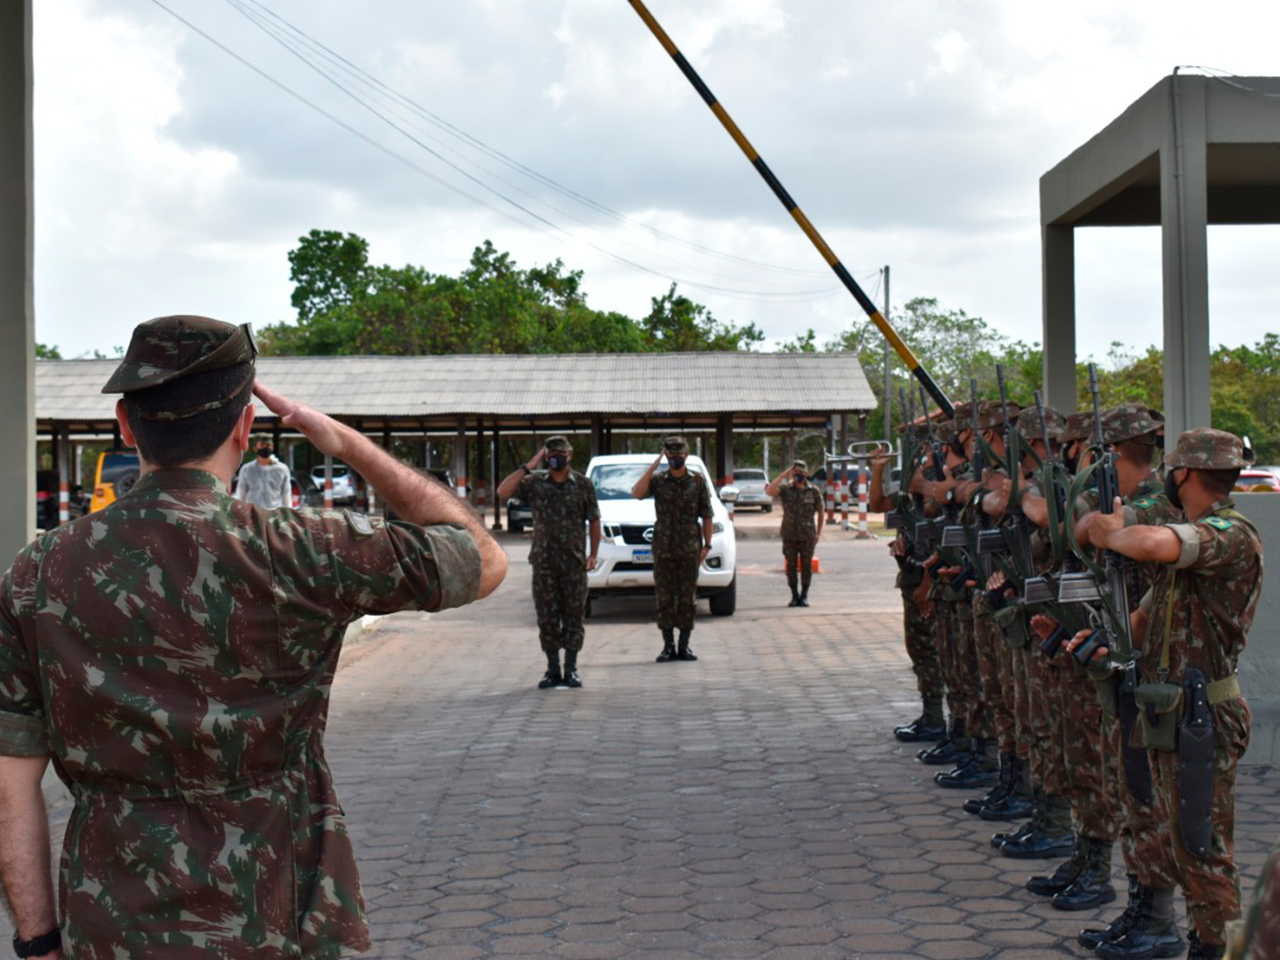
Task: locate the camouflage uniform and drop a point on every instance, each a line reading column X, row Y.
column 1257, row 936
column 680, row 503
column 799, row 531
column 1200, row 611
column 173, row 653
column 558, row 555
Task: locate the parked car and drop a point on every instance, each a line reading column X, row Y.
column 624, row 564
column 117, row 472
column 1258, row 480
column 750, row 484
column 519, row 515
column 344, row 488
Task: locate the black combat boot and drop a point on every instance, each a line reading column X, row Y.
column 682, row 650
column 668, row 645
column 804, row 597
column 930, row 725
column 1051, row 840
column 795, row 597
column 1153, row 933
column 571, row 669
column 1092, row 888
column 974, row 772
column 552, row 677
column 949, row 750
column 1039, row 813
column 1063, row 877
column 1091, row 937
column 1017, row 803
column 997, row 793
column 1203, row 951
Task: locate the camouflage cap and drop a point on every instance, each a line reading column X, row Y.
column 945, row 431
column 170, row 348
column 1077, row 426
column 559, row 442
column 1028, row 423
column 991, row 414
column 960, row 418
column 1207, row 449
column 1129, row 421
column 800, row 465
column 677, row 445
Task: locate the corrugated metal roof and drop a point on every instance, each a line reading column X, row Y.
column 516, row 385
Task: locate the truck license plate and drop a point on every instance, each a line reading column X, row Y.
column 642, row 556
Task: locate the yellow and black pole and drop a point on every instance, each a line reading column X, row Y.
column 903, row 351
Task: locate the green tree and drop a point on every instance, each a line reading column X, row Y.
column 47, row 352
column 677, row 324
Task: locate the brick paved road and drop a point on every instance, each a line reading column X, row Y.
column 752, row 804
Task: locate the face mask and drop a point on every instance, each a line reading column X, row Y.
column 957, row 448
column 1071, row 457
column 1171, row 490
column 799, row 477
column 265, row 452
column 675, row 463
column 557, row 461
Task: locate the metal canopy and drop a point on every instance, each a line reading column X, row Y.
column 622, row 391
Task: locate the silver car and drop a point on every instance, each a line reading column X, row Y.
column 750, row 484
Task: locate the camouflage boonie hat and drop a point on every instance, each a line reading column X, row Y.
column 677, row 445
column 1129, row 421
column 1077, row 426
column 945, row 431
column 960, row 418
column 170, row 348
column 800, row 465
column 560, row 443
column 1028, row 423
column 1207, row 449
column 991, row 414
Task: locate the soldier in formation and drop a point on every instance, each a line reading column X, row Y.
column 183, row 701
column 565, row 517
column 1027, row 579
column 801, row 501
column 681, row 540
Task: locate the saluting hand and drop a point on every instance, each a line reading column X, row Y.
column 325, row 434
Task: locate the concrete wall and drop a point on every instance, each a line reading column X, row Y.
column 17, row 310
column 1260, row 665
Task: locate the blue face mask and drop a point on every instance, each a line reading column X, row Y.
column 675, row 463
column 557, row 461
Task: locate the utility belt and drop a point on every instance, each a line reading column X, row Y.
column 1159, row 705
column 1012, row 621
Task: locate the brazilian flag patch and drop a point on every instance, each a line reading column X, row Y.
column 1218, row 523
column 1143, row 504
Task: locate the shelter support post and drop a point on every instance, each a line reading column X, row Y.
column 1184, row 207
column 17, row 305
column 1058, row 246
column 459, row 465
column 495, row 478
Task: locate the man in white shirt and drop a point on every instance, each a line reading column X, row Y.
column 264, row 482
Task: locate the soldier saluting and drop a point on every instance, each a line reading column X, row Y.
column 564, row 507
column 680, row 542
column 173, row 655
column 800, row 501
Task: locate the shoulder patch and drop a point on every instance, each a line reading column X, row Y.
column 1218, row 523
column 1143, row 503
column 359, row 524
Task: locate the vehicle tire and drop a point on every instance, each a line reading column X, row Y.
column 589, row 612
column 125, row 482
column 768, row 508
column 515, row 527
column 726, row 601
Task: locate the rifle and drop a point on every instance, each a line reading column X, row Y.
column 1113, row 595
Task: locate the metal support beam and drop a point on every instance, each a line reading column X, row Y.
column 17, row 303
column 1058, row 260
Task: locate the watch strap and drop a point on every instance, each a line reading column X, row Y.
column 37, row 946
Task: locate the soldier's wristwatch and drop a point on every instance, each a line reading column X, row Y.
column 525, row 468
column 37, row 946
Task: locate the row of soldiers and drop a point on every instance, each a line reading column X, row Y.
column 1079, row 610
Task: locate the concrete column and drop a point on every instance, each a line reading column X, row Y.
column 1058, row 261
column 17, row 304
column 724, row 451
column 495, row 477
column 1185, row 255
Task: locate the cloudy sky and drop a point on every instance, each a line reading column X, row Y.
column 174, row 174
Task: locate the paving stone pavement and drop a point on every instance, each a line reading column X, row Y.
column 752, row 804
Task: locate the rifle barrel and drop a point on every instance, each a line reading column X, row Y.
column 898, row 344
